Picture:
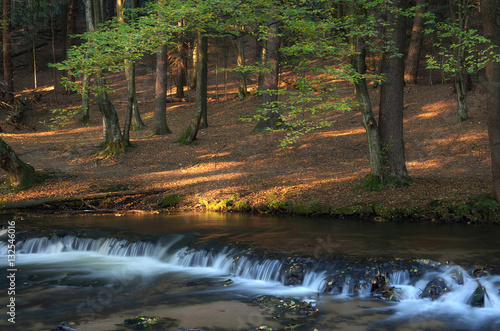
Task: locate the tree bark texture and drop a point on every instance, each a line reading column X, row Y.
column 21, row 174
column 413, row 58
column 8, row 75
column 160, row 126
column 391, row 103
column 270, row 81
column 489, row 14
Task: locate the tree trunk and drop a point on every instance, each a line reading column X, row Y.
column 461, row 89
column 263, row 56
column 90, row 25
column 413, row 58
column 160, row 126
column 489, row 14
column 270, row 82
column 189, row 136
column 391, row 103
column 7, row 53
column 182, row 48
column 240, row 60
column 194, row 74
column 369, row 122
column 132, row 104
column 113, row 138
column 21, row 175
column 201, row 80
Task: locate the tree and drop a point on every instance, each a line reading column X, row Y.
column 413, row 58
column 462, row 50
column 489, row 15
column 21, row 175
column 160, row 126
column 391, row 98
column 7, row 53
column 190, row 134
column 269, row 91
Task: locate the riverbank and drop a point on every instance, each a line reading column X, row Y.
column 230, row 168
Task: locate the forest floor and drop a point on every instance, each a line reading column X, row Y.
column 445, row 159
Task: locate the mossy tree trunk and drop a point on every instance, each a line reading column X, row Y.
column 113, row 137
column 21, row 175
column 489, row 10
column 269, row 91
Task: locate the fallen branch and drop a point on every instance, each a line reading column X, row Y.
column 56, row 200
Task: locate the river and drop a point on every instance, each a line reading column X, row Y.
column 204, row 271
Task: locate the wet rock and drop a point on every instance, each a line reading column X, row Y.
column 480, row 271
column 140, row 322
column 64, row 326
column 478, row 297
column 458, row 275
column 434, row 289
column 294, row 270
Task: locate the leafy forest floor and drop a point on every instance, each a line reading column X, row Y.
column 232, row 166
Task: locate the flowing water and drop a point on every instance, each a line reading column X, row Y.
column 203, row 270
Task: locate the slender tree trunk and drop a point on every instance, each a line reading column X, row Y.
column 21, row 175
column 201, row 80
column 90, row 25
column 391, row 103
column 132, row 105
column 263, row 56
column 7, row 53
column 489, row 15
column 461, row 88
column 413, row 58
column 270, row 82
column 240, row 48
column 182, row 48
column 194, row 74
column 189, row 136
column 160, row 126
column 369, row 121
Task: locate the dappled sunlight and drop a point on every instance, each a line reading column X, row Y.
column 39, row 89
column 435, row 109
column 339, row 133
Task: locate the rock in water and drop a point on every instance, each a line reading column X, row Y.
column 434, row 289
column 477, row 299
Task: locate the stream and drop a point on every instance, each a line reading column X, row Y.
column 208, row 271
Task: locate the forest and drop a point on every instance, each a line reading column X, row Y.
column 384, row 109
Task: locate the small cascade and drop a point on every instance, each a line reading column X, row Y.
column 314, row 280
column 401, row 277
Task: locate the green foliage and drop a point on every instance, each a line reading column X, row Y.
column 170, row 200
column 61, row 117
